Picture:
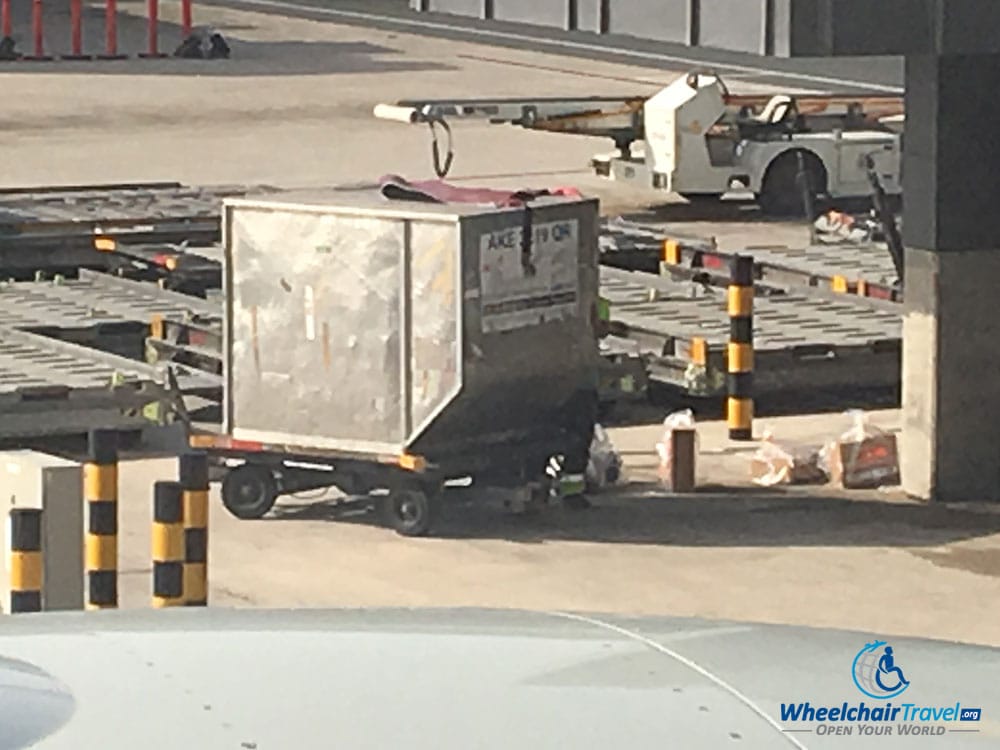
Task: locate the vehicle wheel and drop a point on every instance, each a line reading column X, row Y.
column 249, row 491
column 780, row 193
column 410, row 512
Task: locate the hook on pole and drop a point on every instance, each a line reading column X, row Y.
column 441, row 169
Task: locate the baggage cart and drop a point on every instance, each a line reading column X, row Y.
column 384, row 348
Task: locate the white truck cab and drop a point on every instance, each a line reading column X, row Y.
column 696, row 145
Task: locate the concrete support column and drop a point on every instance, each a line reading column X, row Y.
column 951, row 354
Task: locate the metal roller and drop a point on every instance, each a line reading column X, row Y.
column 396, row 113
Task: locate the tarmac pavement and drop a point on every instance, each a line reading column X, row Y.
column 872, row 561
column 293, row 108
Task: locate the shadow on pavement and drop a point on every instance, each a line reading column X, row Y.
column 712, row 517
column 663, row 400
column 248, row 58
column 708, row 210
column 740, row 209
column 604, row 47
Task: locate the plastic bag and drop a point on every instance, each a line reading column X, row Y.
column 605, row 465
column 864, row 457
column 774, row 464
column 678, row 420
column 771, row 464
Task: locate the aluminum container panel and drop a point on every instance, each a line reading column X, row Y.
column 434, row 321
column 315, row 324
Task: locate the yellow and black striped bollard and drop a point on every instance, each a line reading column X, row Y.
column 739, row 376
column 100, row 491
column 25, row 563
column 194, row 481
column 168, row 544
column 671, row 253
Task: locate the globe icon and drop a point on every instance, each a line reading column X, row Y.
column 866, row 667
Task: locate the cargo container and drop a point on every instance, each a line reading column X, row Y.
column 385, row 347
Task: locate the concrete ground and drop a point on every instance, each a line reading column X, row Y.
column 293, row 108
column 872, row 561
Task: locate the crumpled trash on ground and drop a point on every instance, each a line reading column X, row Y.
column 863, row 457
column 773, row 464
column 678, row 420
column 605, row 465
column 837, row 226
column 204, row 44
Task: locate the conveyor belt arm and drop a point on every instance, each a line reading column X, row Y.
column 612, row 117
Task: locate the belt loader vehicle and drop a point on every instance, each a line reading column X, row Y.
column 697, row 139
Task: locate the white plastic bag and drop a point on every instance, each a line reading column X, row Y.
column 604, row 466
column 678, row 420
column 773, row 464
column 860, row 427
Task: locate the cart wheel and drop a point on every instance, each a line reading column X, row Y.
column 249, row 491
column 409, row 512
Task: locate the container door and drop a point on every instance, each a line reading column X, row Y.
column 315, row 346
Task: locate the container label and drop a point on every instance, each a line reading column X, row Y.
column 525, row 286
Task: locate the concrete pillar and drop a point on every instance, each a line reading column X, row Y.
column 950, row 447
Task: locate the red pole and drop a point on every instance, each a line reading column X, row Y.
column 76, row 32
column 111, row 28
column 5, row 12
column 36, row 28
column 185, row 18
column 152, row 27
column 76, row 27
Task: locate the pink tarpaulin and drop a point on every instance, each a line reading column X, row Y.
column 394, row 187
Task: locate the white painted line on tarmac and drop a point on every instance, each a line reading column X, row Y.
column 690, row 635
column 690, row 664
column 564, row 44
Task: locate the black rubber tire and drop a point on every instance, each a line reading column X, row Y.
column 780, row 194
column 409, row 512
column 249, row 492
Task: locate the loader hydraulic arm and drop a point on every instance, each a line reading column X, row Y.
column 617, row 118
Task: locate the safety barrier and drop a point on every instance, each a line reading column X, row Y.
column 25, row 562
column 100, row 492
column 739, row 353
column 43, row 556
column 76, row 41
column 193, row 470
column 168, row 544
